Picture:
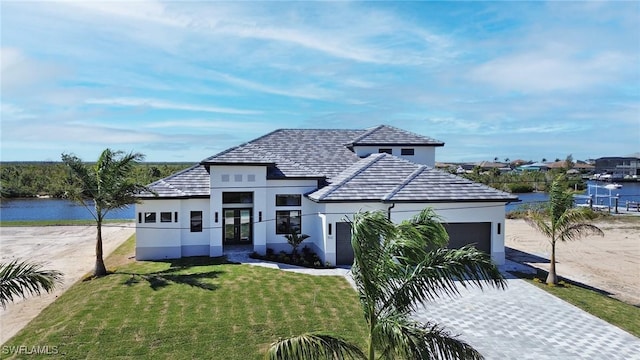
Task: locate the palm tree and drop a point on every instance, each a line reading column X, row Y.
column 396, row 269
column 559, row 221
column 295, row 239
column 20, row 278
column 105, row 183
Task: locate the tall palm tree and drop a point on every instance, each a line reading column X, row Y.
column 107, row 185
column 396, row 269
column 560, row 221
column 20, row 278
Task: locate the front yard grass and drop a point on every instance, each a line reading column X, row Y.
column 613, row 311
column 191, row 309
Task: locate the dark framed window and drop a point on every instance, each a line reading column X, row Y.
column 149, row 217
column 407, row 152
column 237, row 197
column 385, row 150
column 288, row 221
column 196, row 221
column 165, row 217
column 289, row 200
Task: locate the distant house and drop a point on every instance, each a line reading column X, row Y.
column 534, row 167
column 619, row 167
column 311, row 181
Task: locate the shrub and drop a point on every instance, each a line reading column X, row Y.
column 520, row 188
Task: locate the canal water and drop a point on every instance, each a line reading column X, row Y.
column 53, row 209
column 60, row 209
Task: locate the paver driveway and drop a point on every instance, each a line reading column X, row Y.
column 524, row 322
column 521, row 322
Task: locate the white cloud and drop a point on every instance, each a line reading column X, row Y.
column 10, row 112
column 19, row 72
column 305, row 91
column 544, row 71
column 166, row 105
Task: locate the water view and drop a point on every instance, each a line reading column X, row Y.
column 52, row 209
column 60, row 209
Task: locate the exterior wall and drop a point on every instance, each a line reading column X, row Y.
column 340, row 212
column 264, row 206
column 195, row 243
column 461, row 213
column 158, row 240
column 450, row 212
column 170, row 240
column 425, row 155
column 309, row 222
column 618, row 166
column 240, row 179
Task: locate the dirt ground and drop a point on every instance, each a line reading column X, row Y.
column 610, row 263
column 69, row 249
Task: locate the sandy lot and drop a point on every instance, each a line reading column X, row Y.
column 70, row 249
column 610, row 263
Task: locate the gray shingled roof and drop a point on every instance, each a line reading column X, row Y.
column 295, row 152
column 383, row 177
column 389, row 135
column 325, row 154
column 191, row 182
column 314, row 152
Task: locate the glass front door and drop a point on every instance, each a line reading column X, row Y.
column 237, row 226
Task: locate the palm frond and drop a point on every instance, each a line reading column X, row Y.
column 19, row 279
column 316, row 346
column 577, row 231
column 403, row 338
column 441, row 273
column 418, row 235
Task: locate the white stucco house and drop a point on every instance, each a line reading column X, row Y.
column 310, row 180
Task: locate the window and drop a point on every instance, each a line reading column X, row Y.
column 196, row 221
column 237, row 177
column 225, row 178
column 385, row 150
column 251, row 178
column 165, row 217
column 289, row 200
column 287, row 221
column 149, row 217
column 139, row 218
column 175, row 216
column 237, row 198
column 407, row 152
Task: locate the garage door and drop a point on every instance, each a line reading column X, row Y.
column 344, row 251
column 461, row 234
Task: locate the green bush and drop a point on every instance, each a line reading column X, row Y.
column 520, row 188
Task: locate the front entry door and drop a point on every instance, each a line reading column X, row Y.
column 237, row 226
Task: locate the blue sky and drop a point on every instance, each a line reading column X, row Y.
column 181, row 81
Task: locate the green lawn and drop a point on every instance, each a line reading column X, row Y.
column 191, row 308
column 616, row 312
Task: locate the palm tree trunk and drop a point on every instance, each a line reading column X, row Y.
column 552, row 278
column 372, row 350
column 100, row 269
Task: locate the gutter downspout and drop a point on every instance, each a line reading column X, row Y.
column 389, row 211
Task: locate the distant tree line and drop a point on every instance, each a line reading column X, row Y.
column 525, row 181
column 31, row 179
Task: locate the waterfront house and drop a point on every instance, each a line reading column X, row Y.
column 311, row 181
